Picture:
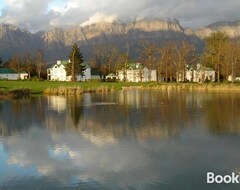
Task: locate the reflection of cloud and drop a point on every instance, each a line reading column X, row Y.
column 124, row 164
column 104, row 138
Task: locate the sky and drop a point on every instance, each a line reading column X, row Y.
column 37, row 15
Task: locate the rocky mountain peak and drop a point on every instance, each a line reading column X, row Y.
column 232, row 29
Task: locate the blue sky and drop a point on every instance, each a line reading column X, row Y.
column 44, row 14
column 1, row 6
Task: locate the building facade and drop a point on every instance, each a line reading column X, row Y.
column 10, row 74
column 197, row 73
column 58, row 72
column 136, row 72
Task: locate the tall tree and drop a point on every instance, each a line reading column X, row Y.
column 1, row 62
column 183, row 56
column 39, row 62
column 165, row 67
column 15, row 64
column 214, row 51
column 74, row 66
column 28, row 63
column 106, row 59
column 149, row 54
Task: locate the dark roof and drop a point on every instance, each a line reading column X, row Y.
column 94, row 72
column 201, row 68
column 7, row 71
column 136, row 66
column 85, row 64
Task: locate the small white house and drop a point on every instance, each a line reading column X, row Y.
column 197, row 73
column 11, row 74
column 230, row 78
column 58, row 72
column 136, row 72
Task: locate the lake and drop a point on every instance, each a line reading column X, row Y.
column 130, row 139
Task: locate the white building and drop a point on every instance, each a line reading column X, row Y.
column 11, row 74
column 58, row 72
column 136, row 72
column 197, row 73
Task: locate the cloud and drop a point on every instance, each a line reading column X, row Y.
column 43, row 14
column 100, row 17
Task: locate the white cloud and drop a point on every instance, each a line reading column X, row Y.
column 100, row 17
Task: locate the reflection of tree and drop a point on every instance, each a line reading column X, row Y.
column 138, row 113
column 21, row 114
column 222, row 113
column 74, row 109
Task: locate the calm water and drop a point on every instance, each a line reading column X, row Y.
column 123, row 140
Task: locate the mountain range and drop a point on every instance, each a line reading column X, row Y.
column 56, row 43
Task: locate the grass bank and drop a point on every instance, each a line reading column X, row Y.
column 38, row 87
column 206, row 87
column 66, row 88
column 15, row 93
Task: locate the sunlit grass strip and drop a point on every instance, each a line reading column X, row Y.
column 76, row 90
column 211, row 87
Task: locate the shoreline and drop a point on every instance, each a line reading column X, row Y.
column 8, row 89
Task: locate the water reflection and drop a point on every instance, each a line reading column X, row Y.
column 122, row 140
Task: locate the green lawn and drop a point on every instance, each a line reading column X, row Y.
column 37, row 87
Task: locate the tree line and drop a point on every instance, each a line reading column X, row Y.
column 220, row 53
column 34, row 64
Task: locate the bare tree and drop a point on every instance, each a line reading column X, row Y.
column 105, row 59
column 214, row 51
column 39, row 62
column 15, row 64
column 28, row 63
column 184, row 54
column 148, row 55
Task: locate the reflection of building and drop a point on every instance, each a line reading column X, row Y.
column 57, row 103
column 137, row 72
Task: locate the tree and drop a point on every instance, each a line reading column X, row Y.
column 148, row 56
column 231, row 58
column 165, row 66
column 74, row 66
column 183, row 56
column 106, row 59
column 39, row 62
column 28, row 63
column 1, row 62
column 214, row 51
column 15, row 64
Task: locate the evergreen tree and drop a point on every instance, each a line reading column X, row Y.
column 74, row 66
column 1, row 62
